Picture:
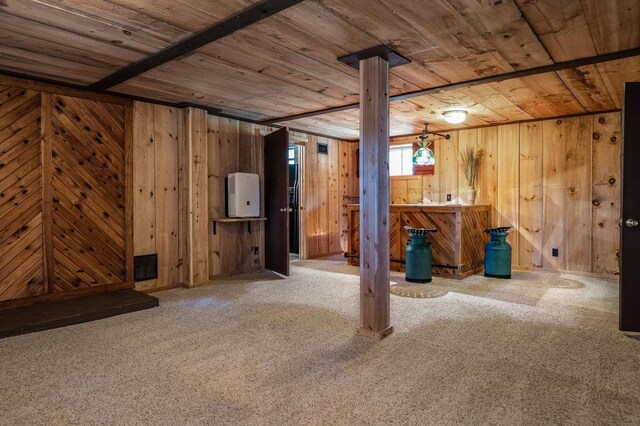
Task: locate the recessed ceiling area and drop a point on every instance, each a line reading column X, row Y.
column 286, row 64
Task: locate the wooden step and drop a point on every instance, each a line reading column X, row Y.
column 46, row 316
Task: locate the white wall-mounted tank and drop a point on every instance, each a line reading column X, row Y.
column 243, row 195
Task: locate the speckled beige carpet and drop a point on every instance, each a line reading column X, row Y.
column 539, row 349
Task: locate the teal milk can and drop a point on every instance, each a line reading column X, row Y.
column 497, row 254
column 418, row 255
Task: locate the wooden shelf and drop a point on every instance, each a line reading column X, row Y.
column 238, row 219
column 248, row 220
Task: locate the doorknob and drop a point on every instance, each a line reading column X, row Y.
column 631, row 223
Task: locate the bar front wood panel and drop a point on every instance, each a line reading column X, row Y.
column 457, row 247
column 21, row 233
column 88, row 193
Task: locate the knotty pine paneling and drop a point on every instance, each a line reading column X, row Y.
column 233, row 146
column 557, row 182
column 488, row 175
column 65, row 194
column 21, row 234
column 322, row 198
column 531, row 195
column 170, row 156
column 554, row 165
column 349, row 191
column 578, row 227
column 606, row 174
column 449, row 159
column 509, row 183
column 193, row 198
column 155, row 188
column 88, row 193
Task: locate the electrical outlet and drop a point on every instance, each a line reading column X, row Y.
column 255, row 250
column 554, row 252
column 448, row 197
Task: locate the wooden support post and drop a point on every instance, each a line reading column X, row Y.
column 374, row 199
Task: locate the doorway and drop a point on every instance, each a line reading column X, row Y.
column 294, row 199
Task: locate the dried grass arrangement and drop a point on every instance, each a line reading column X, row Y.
column 471, row 164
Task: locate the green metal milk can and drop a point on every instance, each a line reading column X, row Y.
column 418, row 255
column 497, row 254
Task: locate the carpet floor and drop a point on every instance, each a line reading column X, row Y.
column 539, row 349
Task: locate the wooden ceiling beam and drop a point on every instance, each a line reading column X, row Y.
column 559, row 66
column 248, row 16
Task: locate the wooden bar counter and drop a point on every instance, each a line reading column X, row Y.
column 458, row 246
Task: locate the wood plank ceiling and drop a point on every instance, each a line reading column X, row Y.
column 286, row 64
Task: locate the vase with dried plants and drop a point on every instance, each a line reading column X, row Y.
column 471, row 158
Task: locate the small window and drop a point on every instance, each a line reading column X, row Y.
column 401, row 160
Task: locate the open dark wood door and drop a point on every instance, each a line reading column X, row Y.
column 276, row 196
column 630, row 244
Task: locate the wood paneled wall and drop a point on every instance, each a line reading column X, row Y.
column 87, row 193
column 182, row 158
column 233, row 146
column 238, row 146
column 65, row 193
column 21, row 252
column 322, row 197
column 557, row 182
column 194, row 196
column 349, row 190
column 156, row 189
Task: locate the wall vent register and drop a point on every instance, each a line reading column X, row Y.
column 145, row 267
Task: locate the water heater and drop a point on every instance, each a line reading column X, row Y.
column 243, row 195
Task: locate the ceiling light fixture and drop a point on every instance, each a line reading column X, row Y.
column 454, row 116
